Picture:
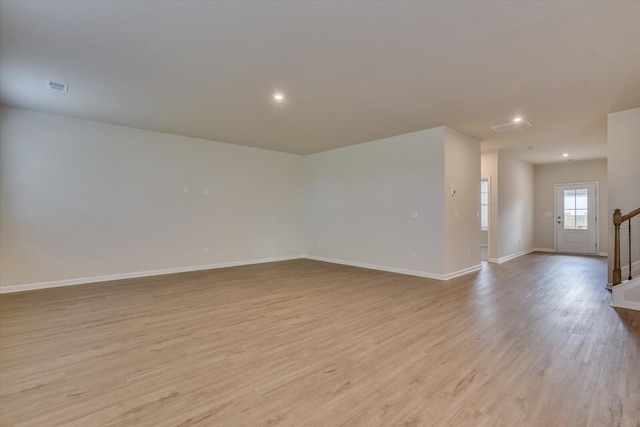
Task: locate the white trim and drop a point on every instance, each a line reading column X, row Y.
column 133, row 275
column 635, row 270
column 604, row 254
column 109, row 277
column 618, row 295
column 510, row 257
column 417, row 273
column 463, row 272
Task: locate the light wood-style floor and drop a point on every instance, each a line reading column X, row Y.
column 532, row 342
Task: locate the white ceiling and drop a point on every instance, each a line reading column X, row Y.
column 351, row 71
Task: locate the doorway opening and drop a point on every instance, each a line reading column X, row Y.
column 484, row 219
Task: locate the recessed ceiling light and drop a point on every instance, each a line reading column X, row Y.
column 565, row 155
column 530, row 147
column 517, row 119
column 278, row 97
column 511, row 126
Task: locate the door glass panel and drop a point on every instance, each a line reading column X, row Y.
column 575, row 209
column 570, row 219
column 581, row 199
column 569, row 199
column 581, row 219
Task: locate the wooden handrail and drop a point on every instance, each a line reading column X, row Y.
column 630, row 215
column 618, row 219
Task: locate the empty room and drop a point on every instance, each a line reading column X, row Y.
column 319, row 213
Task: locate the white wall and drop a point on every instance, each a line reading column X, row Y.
column 623, row 146
column 564, row 173
column 515, row 205
column 82, row 199
column 511, row 204
column 358, row 202
column 359, row 199
column 489, row 170
column 462, row 222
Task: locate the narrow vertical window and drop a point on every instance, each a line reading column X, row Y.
column 484, row 205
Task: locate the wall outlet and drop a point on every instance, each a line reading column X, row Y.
column 414, row 214
column 318, row 245
column 205, row 191
column 205, row 251
column 468, row 252
column 185, row 190
column 413, row 254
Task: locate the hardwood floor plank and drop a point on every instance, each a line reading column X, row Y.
column 532, row 342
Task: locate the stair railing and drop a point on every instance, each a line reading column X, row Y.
column 618, row 219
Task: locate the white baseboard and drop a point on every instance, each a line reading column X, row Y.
column 635, row 270
column 409, row 272
column 510, row 257
column 553, row 250
column 463, row 272
column 620, row 300
column 133, row 275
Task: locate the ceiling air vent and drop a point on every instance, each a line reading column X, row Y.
column 60, row 87
column 522, row 124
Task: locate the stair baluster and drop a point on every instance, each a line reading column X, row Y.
column 630, row 249
column 618, row 219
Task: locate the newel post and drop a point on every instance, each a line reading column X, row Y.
column 617, row 273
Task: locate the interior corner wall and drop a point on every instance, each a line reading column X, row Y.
column 359, row 201
column 462, row 215
column 515, row 205
column 511, row 204
column 489, row 170
column 81, row 199
column 623, row 149
column 546, row 176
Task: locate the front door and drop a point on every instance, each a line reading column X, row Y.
column 576, row 218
